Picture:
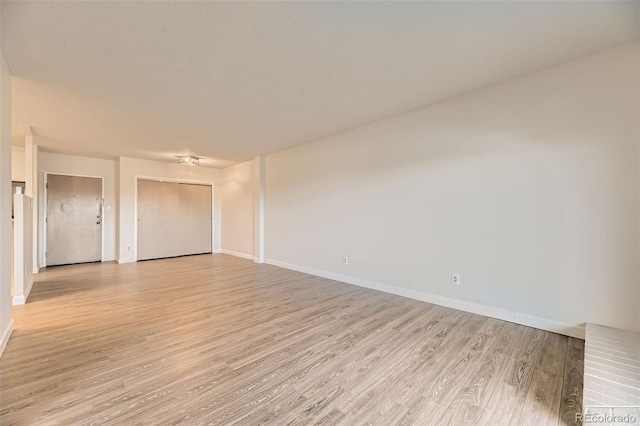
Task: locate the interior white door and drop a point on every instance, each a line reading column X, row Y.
column 158, row 219
column 74, row 219
column 195, row 218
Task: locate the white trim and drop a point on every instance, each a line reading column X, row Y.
column 259, row 168
column 125, row 260
column 137, row 178
column 174, row 180
column 21, row 300
column 216, row 251
column 573, row 330
column 237, row 254
column 45, row 200
column 5, row 337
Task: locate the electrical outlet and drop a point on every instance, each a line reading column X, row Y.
column 245, row 244
column 455, row 279
column 345, row 260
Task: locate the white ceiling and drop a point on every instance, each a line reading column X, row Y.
column 229, row 81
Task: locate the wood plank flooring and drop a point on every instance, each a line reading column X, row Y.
column 214, row 339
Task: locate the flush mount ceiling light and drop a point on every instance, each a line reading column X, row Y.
column 189, row 160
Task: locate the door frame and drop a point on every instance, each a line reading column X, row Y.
column 171, row 180
column 46, row 207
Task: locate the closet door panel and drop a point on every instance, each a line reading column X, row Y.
column 159, row 219
column 195, row 214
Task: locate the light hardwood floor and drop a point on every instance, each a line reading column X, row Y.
column 214, row 339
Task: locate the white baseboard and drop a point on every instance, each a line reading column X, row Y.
column 28, row 290
column 216, row 251
column 126, row 260
column 21, row 300
column 237, row 254
column 5, row 337
column 572, row 330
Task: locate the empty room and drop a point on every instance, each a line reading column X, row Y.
column 341, row 213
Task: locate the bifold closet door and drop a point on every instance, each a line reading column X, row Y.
column 158, row 219
column 174, row 219
column 195, row 215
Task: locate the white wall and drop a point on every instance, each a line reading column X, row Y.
column 17, row 164
column 237, row 191
column 87, row 166
column 528, row 189
column 35, row 199
column 41, row 207
column 129, row 169
column 6, row 323
column 24, row 168
column 22, row 249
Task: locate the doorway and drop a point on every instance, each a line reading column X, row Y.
column 73, row 219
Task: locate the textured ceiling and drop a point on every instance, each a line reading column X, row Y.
column 229, row 81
